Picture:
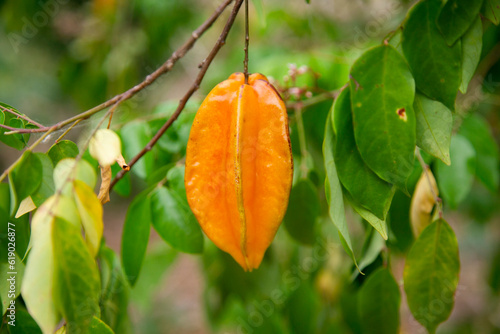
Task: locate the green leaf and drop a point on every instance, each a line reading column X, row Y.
column 37, row 285
column 434, row 125
column 38, row 279
column 174, row 221
column 378, row 303
column 135, row 236
column 25, row 324
column 378, row 224
column 4, row 204
column 115, row 292
column 431, row 275
column 435, row 65
column 455, row 181
column 134, row 136
column 62, row 150
column 472, row 44
column 175, row 179
column 14, row 199
column 124, row 186
column 333, row 190
column 349, row 309
column 400, row 233
column 66, row 172
column 396, row 40
column 302, row 309
column 76, row 277
column 478, row 132
column 302, row 212
column 382, row 94
column 174, row 141
column 27, row 176
column 19, row 124
column 90, row 210
column 456, row 17
column 365, row 187
column 158, row 260
column 47, row 187
column 6, row 293
column 371, row 250
column 259, row 10
column 491, row 10
column 99, row 327
column 159, row 174
column 16, row 141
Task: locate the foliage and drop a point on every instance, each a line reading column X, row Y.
column 373, row 119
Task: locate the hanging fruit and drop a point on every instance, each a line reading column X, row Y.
column 239, row 166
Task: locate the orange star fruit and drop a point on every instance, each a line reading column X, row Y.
column 239, row 166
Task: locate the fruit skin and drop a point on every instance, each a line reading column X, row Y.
column 239, row 166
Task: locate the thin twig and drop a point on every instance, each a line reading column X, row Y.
column 313, row 100
column 247, row 40
column 11, row 129
column 112, row 111
column 166, row 67
column 35, row 144
column 425, row 168
column 68, row 130
column 182, row 103
column 26, row 118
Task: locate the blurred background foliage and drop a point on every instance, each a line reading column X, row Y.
column 59, row 57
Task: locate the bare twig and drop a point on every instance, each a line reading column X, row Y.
column 75, row 123
column 195, row 86
column 166, row 67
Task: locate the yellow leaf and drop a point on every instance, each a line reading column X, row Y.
column 38, row 278
column 105, row 147
column 25, row 206
column 90, row 209
column 423, row 201
column 105, row 182
column 60, row 206
column 66, row 172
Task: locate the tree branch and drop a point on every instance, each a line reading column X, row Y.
column 166, row 67
column 194, row 87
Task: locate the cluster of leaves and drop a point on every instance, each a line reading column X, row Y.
column 402, row 94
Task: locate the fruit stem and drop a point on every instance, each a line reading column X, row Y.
column 247, row 40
